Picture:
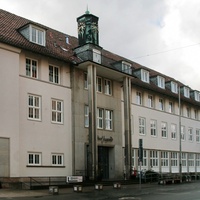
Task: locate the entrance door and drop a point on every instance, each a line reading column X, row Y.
column 103, row 162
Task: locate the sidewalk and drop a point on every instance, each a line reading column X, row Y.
column 11, row 193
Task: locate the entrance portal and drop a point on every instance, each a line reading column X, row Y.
column 103, row 162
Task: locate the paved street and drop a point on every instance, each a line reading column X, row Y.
column 185, row 191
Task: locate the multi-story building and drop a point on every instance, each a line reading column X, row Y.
column 70, row 107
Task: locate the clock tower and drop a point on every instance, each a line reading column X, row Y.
column 88, row 29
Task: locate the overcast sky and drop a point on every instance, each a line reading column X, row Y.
column 163, row 35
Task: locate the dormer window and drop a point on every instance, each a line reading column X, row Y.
column 126, row 67
column 174, row 87
column 186, row 91
column 161, row 82
column 34, row 34
column 197, row 96
column 145, row 76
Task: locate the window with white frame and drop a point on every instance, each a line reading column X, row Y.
column 186, row 91
column 31, row 68
column 57, row 111
column 86, row 113
column 188, row 112
column 171, row 107
column 161, row 82
column 173, row 131
column 54, row 74
column 196, row 116
column 197, row 96
column 139, row 98
column 57, row 159
column 144, row 161
column 153, row 158
column 100, row 118
column 174, row 87
column 99, row 84
column 161, row 104
column 191, row 159
column 97, row 56
column 150, row 101
column 107, row 87
column 133, row 157
column 142, row 125
column 183, row 133
column 108, row 119
column 126, row 67
column 174, row 159
column 34, row 107
column 198, row 160
column 145, row 76
column 85, row 81
column 197, row 135
column 34, row 158
column 164, row 129
column 153, row 126
column 164, row 159
column 190, row 134
column 183, row 159
column 34, row 34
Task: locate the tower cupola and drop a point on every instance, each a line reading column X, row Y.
column 88, row 29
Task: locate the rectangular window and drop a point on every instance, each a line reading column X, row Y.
column 34, row 158
column 144, row 76
column 186, row 92
column 97, row 56
column 139, row 98
column 191, row 159
column 34, row 107
column 164, row 159
column 109, row 119
column 190, row 134
column 144, row 161
column 142, row 126
column 161, row 82
column 171, row 107
column 126, row 67
column 153, row 127
column 197, row 135
column 31, row 68
column 153, row 158
column 164, row 129
column 99, row 118
column 86, row 112
column 99, row 84
column 174, row 87
column 197, row 96
column 184, row 159
column 161, row 105
column 150, row 101
column 57, row 111
column 174, row 159
column 188, row 112
column 196, row 114
column 57, row 159
column 173, row 131
column 133, row 157
column 182, row 133
column 37, row 35
column 54, row 74
column 85, row 81
column 107, row 87
column 197, row 160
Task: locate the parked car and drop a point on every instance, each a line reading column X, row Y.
column 148, row 176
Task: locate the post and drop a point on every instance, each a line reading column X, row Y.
column 180, row 146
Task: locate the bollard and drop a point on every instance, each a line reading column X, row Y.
column 117, row 185
column 53, row 190
column 98, row 187
column 78, row 188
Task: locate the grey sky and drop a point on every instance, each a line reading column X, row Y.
column 139, row 30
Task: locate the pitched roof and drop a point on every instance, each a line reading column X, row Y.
column 56, row 45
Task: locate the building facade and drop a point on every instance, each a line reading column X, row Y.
column 70, row 107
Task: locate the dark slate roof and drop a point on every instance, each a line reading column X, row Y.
column 56, row 46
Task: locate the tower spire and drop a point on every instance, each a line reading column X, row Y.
column 87, row 11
